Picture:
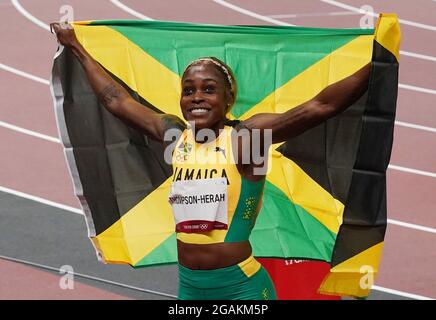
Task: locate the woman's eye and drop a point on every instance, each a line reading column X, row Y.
column 209, row 89
column 188, row 91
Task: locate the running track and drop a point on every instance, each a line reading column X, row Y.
column 40, row 225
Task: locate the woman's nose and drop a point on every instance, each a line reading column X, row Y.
column 198, row 96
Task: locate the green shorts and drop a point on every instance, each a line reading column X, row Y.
column 247, row 280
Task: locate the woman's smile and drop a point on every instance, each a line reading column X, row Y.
column 204, row 96
column 199, row 110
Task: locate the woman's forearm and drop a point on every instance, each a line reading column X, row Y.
column 109, row 92
column 342, row 94
column 328, row 103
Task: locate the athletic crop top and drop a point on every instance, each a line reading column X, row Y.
column 211, row 201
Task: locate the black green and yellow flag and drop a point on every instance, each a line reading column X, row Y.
column 325, row 196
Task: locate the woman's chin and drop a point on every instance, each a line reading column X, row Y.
column 200, row 123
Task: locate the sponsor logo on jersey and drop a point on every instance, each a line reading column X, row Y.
column 183, row 151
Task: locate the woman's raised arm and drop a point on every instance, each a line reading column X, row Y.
column 328, row 103
column 112, row 95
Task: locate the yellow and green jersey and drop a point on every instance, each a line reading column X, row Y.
column 215, row 160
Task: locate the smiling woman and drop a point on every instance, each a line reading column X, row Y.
column 208, row 92
column 214, row 253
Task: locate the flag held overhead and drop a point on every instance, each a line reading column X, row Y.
column 325, row 196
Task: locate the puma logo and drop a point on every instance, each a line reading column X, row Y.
column 218, row 149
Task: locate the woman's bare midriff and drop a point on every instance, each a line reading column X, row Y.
column 212, row 256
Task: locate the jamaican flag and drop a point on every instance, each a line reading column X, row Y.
column 325, row 195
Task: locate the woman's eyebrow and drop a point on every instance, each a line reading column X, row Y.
column 204, row 80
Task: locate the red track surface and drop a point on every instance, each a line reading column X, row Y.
column 38, row 167
column 29, row 283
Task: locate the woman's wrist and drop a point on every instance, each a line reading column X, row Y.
column 80, row 52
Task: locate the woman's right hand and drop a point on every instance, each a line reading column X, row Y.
column 65, row 34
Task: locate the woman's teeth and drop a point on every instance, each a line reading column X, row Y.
column 199, row 110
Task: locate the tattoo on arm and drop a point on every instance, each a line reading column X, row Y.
column 109, row 94
column 242, row 125
column 172, row 122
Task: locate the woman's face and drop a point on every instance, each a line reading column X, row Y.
column 205, row 97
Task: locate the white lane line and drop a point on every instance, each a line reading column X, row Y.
column 415, row 126
column 79, row 211
column 409, row 170
column 391, row 166
column 24, row 74
column 137, row 14
column 281, row 23
column 130, row 10
column 415, row 88
column 40, row 200
column 399, row 123
column 228, row 5
column 251, row 13
column 26, row 13
column 391, row 221
column 417, row 55
column 277, row 22
column 345, row 13
column 45, row 26
column 412, row 226
column 85, row 276
column 57, row 140
column 413, row 171
column 221, row 2
column 373, row 14
column 29, row 132
column 374, row 287
column 116, row 2
column 47, row 82
column 316, row 14
column 401, row 293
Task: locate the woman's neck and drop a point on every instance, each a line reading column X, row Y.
column 208, row 134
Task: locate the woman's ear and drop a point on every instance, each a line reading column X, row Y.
column 230, row 100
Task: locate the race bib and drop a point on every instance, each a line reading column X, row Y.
column 199, row 205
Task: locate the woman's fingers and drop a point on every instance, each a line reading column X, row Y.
column 64, row 32
column 55, row 26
